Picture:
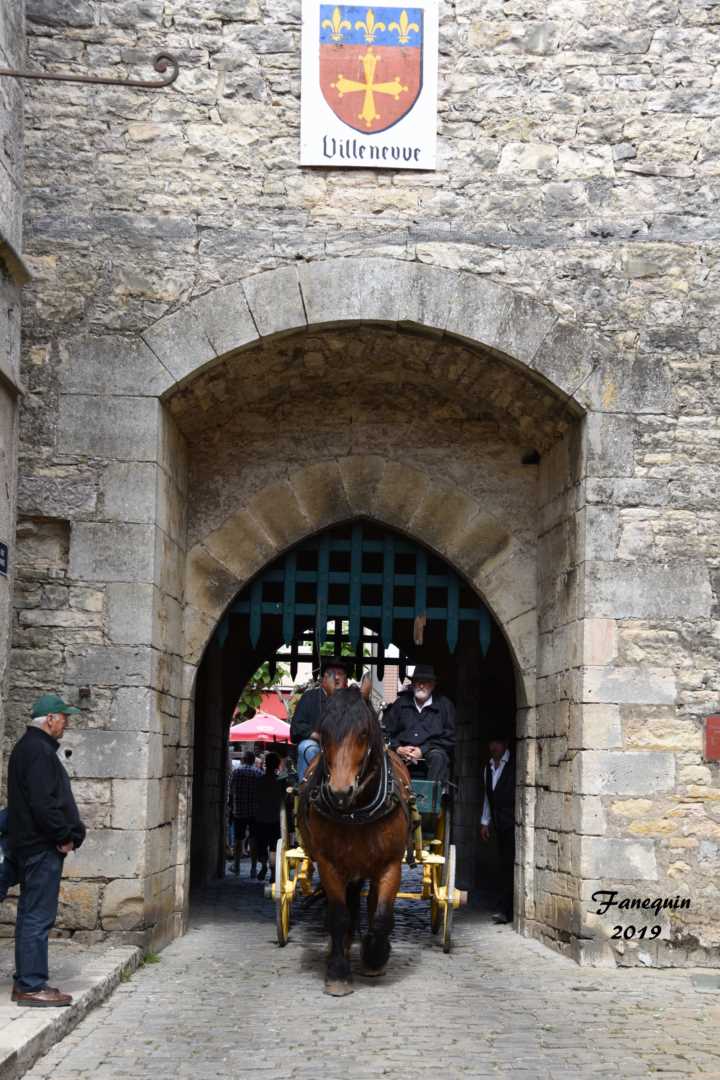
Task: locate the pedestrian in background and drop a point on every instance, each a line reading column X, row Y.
column 243, row 787
column 270, row 795
column 44, row 826
column 499, row 811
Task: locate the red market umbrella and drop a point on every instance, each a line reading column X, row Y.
column 262, row 728
column 272, row 703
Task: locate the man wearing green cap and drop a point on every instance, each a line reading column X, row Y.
column 43, row 827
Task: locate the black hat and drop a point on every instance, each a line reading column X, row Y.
column 329, row 662
column 424, row 673
column 499, row 736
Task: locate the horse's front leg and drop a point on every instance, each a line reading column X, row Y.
column 338, row 979
column 376, row 943
column 354, row 892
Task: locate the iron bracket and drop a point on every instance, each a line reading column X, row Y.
column 162, row 62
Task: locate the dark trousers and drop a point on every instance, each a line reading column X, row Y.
column 39, row 877
column 241, row 824
column 506, row 851
column 438, row 764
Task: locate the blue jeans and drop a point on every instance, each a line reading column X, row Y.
column 308, row 750
column 39, row 876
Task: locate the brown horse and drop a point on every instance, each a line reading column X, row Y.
column 353, row 818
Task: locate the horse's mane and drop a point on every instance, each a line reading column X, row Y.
column 348, row 713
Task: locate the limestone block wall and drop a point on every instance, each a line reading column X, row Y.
column 99, row 609
column 574, row 199
column 12, row 38
column 551, row 908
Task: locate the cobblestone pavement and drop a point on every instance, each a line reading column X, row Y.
column 224, row 1001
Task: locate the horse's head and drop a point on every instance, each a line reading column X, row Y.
column 350, row 737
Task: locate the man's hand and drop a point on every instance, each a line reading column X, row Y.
column 66, row 848
column 410, row 753
column 484, row 833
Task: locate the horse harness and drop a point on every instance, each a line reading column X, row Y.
column 385, row 799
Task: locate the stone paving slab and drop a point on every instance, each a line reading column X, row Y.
column 89, row 973
column 225, row 1001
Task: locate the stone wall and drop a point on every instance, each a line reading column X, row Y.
column 572, row 221
column 12, row 276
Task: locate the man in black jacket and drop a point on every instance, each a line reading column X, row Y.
column 421, row 724
column 499, row 810
column 305, row 726
column 43, row 827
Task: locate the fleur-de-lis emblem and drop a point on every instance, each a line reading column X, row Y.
column 336, row 25
column 404, row 28
column 369, row 26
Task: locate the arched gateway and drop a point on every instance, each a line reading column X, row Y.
column 435, row 404
column 361, row 587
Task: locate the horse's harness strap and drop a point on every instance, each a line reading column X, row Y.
column 385, row 799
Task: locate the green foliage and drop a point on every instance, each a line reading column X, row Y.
column 251, row 698
column 346, row 649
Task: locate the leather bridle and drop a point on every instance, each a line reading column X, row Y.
column 383, row 801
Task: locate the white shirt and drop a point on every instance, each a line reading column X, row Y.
column 495, row 774
column 424, row 704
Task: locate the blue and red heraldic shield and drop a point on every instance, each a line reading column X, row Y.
column 371, row 63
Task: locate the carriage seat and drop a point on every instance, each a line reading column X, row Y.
column 428, row 794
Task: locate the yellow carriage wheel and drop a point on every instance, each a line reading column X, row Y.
column 435, row 904
column 282, row 895
column 447, row 914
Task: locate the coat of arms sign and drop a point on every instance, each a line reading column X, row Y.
column 369, row 86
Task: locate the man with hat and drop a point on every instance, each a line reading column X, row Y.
column 421, row 724
column 43, row 827
column 499, row 811
column 305, row 726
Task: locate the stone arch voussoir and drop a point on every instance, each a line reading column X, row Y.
column 326, row 493
column 407, row 294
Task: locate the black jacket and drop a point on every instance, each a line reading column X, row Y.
column 41, row 808
column 502, row 799
column 433, row 727
column 308, row 714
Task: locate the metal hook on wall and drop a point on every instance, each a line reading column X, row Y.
column 161, row 64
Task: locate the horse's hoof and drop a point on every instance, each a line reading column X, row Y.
column 338, row 989
column 373, row 973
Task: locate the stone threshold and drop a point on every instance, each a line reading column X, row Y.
column 89, row 974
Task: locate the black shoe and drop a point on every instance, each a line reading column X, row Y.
column 500, row 918
column 261, row 873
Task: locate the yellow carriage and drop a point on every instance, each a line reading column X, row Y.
column 431, row 851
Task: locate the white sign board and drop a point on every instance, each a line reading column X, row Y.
column 369, row 85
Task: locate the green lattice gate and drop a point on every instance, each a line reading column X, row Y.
column 356, row 584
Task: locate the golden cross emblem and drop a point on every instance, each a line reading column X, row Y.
column 369, row 88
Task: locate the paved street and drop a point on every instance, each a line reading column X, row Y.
column 224, row 1001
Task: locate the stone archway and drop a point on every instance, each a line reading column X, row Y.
column 467, row 536
column 278, row 606
column 482, row 349
column 278, row 504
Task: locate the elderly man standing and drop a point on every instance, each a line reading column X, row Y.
column 305, row 727
column 43, row 827
column 420, row 724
